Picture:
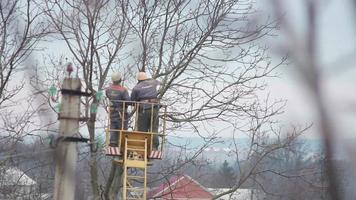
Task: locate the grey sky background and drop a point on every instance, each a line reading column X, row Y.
column 337, row 53
column 336, row 30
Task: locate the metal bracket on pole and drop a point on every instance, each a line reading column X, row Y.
column 83, row 119
column 75, row 92
column 73, row 139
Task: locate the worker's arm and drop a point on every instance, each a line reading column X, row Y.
column 134, row 96
column 126, row 96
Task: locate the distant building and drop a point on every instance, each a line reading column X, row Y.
column 15, row 184
column 179, row 188
column 239, row 194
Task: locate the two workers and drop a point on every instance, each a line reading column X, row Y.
column 145, row 93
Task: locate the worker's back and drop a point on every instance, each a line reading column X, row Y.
column 145, row 90
column 117, row 94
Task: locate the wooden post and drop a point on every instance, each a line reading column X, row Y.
column 66, row 156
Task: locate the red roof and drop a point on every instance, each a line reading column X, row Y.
column 180, row 187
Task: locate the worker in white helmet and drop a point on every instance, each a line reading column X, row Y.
column 146, row 92
column 117, row 94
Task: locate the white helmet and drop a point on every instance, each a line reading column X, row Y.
column 115, row 77
column 141, row 76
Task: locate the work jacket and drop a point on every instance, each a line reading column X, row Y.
column 117, row 93
column 146, row 90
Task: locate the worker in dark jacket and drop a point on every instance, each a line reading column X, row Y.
column 118, row 113
column 146, row 92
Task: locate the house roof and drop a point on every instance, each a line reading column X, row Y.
column 14, row 176
column 181, row 187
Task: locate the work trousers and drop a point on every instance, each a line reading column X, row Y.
column 116, row 117
column 148, row 121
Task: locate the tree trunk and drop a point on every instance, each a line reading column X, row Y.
column 113, row 184
column 93, row 157
column 94, row 175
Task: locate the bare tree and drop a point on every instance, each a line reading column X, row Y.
column 210, row 68
column 206, row 54
column 94, row 32
column 21, row 29
column 304, row 48
column 296, row 172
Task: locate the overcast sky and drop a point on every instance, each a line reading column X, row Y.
column 336, row 30
column 337, row 54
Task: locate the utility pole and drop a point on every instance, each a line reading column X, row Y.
column 66, row 155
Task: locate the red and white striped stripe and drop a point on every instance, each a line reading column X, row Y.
column 115, row 151
column 156, row 155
